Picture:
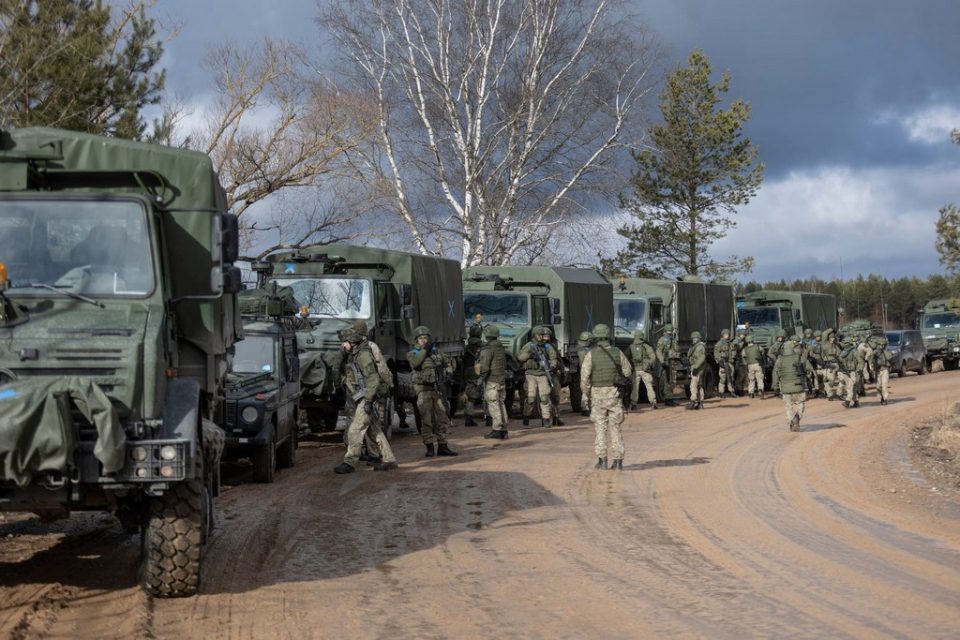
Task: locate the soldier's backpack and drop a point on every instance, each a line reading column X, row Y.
column 386, row 376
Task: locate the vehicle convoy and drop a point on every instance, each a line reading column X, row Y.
column 392, row 292
column 118, row 317
column 261, row 410
column 909, row 354
column 768, row 311
column 517, row 299
column 940, row 325
column 648, row 305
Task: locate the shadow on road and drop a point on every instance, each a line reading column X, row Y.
column 655, row 464
column 821, row 427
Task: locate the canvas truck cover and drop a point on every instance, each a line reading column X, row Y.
column 189, row 191
column 44, row 440
column 818, row 311
column 586, row 296
column 436, row 287
column 694, row 306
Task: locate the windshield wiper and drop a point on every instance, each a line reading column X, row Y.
column 75, row 296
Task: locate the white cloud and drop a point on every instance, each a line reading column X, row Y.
column 930, row 125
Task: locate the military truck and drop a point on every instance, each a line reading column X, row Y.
column 768, row 311
column 516, row 299
column 262, row 406
column 119, row 316
column 940, row 326
column 391, row 291
column 689, row 304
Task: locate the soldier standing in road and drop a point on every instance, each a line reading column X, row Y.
column 362, row 381
column 472, row 385
column 882, row 359
column 584, row 343
column 865, row 349
column 851, row 366
column 790, row 375
column 754, row 361
column 430, row 367
column 723, row 353
column 816, row 356
column 491, row 370
column 535, row 356
column 830, row 357
column 809, row 345
column 668, row 355
column 556, row 372
column 598, row 378
column 697, row 357
column 643, row 357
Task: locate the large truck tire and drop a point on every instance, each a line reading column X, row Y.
column 265, row 460
column 287, row 455
column 576, row 395
column 173, row 535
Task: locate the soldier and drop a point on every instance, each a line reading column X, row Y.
column 362, row 382
column 753, row 359
column 668, row 355
column 430, row 367
column 556, row 372
column 642, row 357
column 598, row 378
column 536, row 357
column 697, row 357
column 816, row 357
column 491, row 370
column 851, row 364
column 865, row 348
column 724, row 353
column 830, row 356
column 789, row 375
column 882, row 359
column 808, row 345
column 472, row 385
column 584, row 343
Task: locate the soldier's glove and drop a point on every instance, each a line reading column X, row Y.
column 368, row 407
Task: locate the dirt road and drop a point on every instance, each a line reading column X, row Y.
column 723, row 524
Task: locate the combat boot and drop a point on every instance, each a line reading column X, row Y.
column 444, row 450
column 373, row 461
column 750, row 395
column 585, row 413
column 343, row 467
column 601, row 463
column 430, row 451
column 526, row 421
column 468, row 421
column 883, row 401
column 846, row 404
column 654, row 406
column 691, row 406
column 495, row 435
column 385, row 466
column 700, row 405
column 617, row 464
column 795, row 423
column 856, row 404
column 557, row 422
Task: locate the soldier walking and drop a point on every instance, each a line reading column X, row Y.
column 599, row 374
column 851, row 366
column 362, row 382
column 472, row 385
column 723, row 353
column 430, row 367
column 754, row 361
column 668, row 355
column 790, row 376
column 697, row 357
column 882, row 359
column 584, row 343
column 536, row 357
column 830, row 357
column 556, row 372
column 642, row 357
column 491, row 369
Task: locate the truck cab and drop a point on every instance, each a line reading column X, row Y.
column 940, row 326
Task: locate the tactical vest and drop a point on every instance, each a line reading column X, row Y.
column 604, row 372
column 792, row 379
column 498, row 360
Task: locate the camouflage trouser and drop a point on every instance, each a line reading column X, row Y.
column 725, row 382
column 495, row 393
column 755, row 378
column 849, row 383
column 606, row 412
column 434, row 421
column 555, row 392
column 361, row 426
column 472, row 397
column 696, row 388
column 829, row 377
column 794, row 403
column 538, row 385
column 647, row 378
column 883, row 382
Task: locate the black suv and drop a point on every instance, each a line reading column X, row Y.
column 908, row 351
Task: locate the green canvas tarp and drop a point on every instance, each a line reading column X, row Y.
column 37, row 433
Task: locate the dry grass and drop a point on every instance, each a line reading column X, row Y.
column 946, row 434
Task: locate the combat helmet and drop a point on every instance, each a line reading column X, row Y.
column 668, row 328
column 725, row 333
column 601, row 331
column 818, row 334
column 422, row 330
column 491, row 331
column 585, row 336
column 475, row 331
column 638, row 335
column 808, row 333
column 694, row 335
column 781, row 333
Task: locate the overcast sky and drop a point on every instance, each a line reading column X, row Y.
column 853, row 102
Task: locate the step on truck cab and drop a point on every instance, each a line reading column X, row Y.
column 117, row 320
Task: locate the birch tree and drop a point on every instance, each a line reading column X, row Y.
column 948, row 229
column 496, row 120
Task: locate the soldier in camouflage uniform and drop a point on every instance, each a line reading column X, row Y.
column 668, row 357
column 724, row 352
column 697, row 357
column 865, row 349
column 808, row 345
column 598, row 379
column 816, row 358
column 789, row 375
column 472, row 385
column 362, row 382
column 830, row 359
column 430, row 367
column 556, row 371
column 851, row 366
column 533, row 356
column 491, row 370
column 882, row 359
column 754, row 361
column 643, row 357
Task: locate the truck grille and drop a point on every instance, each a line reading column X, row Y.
column 230, row 413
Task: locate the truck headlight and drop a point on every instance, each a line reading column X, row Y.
column 249, row 414
column 168, row 453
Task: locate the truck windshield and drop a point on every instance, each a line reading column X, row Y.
column 345, row 298
column 630, row 314
column 759, row 317
column 95, row 248
column 893, row 338
column 506, row 307
column 940, row 320
column 254, row 354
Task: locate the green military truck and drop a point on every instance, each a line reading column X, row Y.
column 118, row 318
column 391, row 291
column 261, row 409
column 768, row 311
column 940, row 326
column 516, row 299
column 689, row 304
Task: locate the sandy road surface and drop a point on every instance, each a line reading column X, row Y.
column 722, row 524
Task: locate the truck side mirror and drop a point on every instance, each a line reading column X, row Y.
column 230, row 228
column 408, row 312
column 406, row 296
column 556, row 319
column 232, row 279
column 555, row 308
